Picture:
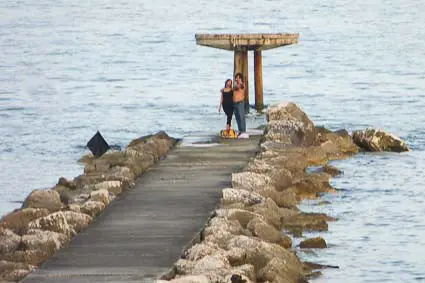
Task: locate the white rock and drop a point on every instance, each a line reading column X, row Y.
column 101, row 195
column 9, row 241
column 198, row 251
column 92, row 208
column 37, row 239
column 77, row 220
column 55, row 222
column 107, row 185
column 74, row 207
column 242, row 196
column 250, row 181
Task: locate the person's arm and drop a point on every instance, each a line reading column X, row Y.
column 221, row 102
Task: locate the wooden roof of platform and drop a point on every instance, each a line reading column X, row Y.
column 253, row 41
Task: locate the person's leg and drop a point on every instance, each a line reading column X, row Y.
column 240, row 116
column 243, row 121
column 228, row 109
column 237, row 115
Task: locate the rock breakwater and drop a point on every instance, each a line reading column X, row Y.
column 48, row 219
column 249, row 237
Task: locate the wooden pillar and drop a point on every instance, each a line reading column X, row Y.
column 258, row 80
column 245, row 79
column 238, row 63
column 241, row 66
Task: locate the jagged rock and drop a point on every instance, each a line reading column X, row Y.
column 292, row 159
column 378, row 140
column 14, row 271
column 92, row 208
column 183, row 266
column 76, row 220
column 18, row 220
column 283, row 110
column 80, row 199
column 315, row 155
column 86, row 182
column 236, row 256
column 66, row 183
column 211, row 264
column 9, row 241
column 312, row 184
column 41, row 240
column 157, row 144
column 33, row 257
column 266, row 232
column 259, row 253
column 331, row 170
column 198, row 251
column 279, row 270
column 64, row 194
column 286, row 198
column 288, row 132
column 101, row 195
column 55, row 222
column 270, row 212
column 242, row 196
column 307, row 222
column 313, row 243
column 241, row 215
column 246, row 272
column 122, row 173
column 336, row 143
column 17, row 274
column 250, row 181
column 114, row 187
column 220, row 229
column 281, row 178
column 49, row 199
column 260, row 166
column 75, row 207
column 288, row 124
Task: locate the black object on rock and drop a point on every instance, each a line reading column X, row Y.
column 97, row 145
column 236, row 278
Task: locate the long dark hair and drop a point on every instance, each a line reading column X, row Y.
column 225, row 83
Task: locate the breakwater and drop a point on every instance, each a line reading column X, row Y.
column 49, row 219
column 249, row 236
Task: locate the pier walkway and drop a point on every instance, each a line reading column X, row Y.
column 142, row 233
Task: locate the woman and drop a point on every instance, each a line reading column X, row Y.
column 226, row 102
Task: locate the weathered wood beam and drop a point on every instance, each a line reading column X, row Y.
column 258, row 80
column 245, row 79
column 260, row 41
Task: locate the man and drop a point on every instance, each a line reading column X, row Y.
column 239, row 104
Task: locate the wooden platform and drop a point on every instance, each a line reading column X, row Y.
column 140, row 235
column 246, row 42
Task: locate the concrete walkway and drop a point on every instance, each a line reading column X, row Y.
column 142, row 233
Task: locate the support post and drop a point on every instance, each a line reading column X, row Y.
column 241, row 66
column 238, row 63
column 245, row 79
column 258, row 80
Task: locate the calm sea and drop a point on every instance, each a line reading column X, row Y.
column 131, row 68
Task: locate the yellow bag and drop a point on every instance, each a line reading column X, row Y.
column 228, row 134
